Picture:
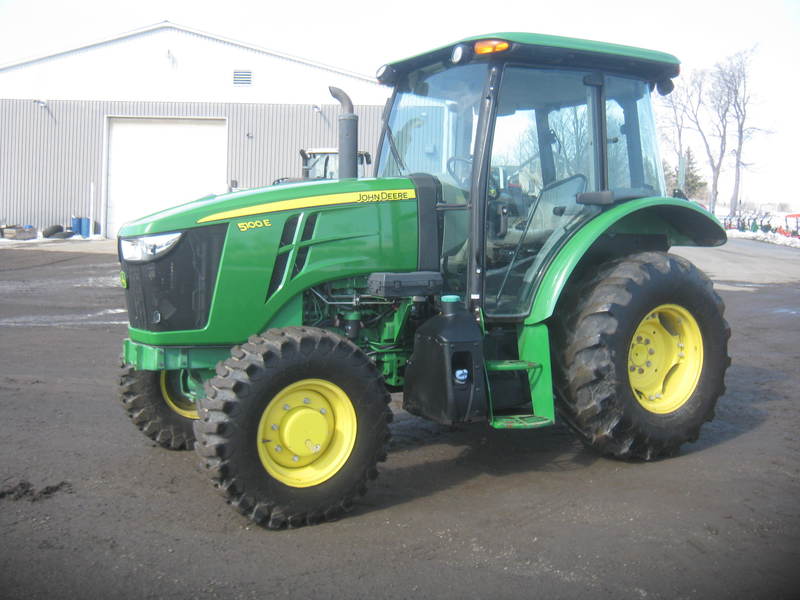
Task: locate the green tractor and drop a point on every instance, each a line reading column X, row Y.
column 510, row 259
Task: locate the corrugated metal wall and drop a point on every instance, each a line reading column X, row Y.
column 52, row 154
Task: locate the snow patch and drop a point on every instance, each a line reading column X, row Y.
column 770, row 238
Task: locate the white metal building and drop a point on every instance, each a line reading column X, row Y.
column 156, row 117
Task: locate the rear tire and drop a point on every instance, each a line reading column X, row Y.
column 158, row 408
column 293, row 426
column 641, row 356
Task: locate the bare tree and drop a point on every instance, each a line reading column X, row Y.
column 708, row 109
column 733, row 74
column 714, row 104
column 699, row 103
column 675, row 126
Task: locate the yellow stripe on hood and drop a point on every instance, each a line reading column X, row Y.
column 313, row 202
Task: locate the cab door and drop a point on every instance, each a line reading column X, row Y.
column 543, row 155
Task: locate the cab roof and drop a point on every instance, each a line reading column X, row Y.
column 553, row 50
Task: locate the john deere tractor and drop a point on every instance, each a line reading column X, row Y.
column 510, row 261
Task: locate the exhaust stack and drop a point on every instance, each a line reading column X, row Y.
column 348, row 136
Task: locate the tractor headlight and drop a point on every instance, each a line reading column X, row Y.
column 149, row 247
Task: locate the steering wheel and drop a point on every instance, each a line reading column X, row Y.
column 451, row 168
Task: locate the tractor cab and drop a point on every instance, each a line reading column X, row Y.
column 527, row 144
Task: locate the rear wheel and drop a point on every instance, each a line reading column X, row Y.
column 642, row 354
column 293, row 426
column 157, row 405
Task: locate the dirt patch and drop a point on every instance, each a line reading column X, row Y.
column 24, row 490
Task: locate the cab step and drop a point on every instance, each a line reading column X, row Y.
column 511, row 365
column 519, row 422
column 524, row 421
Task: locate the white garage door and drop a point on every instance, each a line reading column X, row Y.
column 155, row 164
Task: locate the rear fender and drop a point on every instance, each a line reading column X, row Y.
column 678, row 222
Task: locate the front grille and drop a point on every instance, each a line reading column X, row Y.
column 173, row 292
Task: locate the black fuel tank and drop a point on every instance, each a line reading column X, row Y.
column 444, row 378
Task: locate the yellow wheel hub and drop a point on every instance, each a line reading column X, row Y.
column 170, row 382
column 665, row 359
column 306, row 433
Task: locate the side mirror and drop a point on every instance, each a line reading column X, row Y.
column 665, row 86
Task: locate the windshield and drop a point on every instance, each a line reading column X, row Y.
column 431, row 129
column 433, row 123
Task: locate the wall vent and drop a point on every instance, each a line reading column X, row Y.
column 242, row 78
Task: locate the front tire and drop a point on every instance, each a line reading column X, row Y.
column 642, row 354
column 293, row 426
column 157, row 406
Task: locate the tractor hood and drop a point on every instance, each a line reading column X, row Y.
column 251, row 206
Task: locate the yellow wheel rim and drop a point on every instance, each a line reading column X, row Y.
column 665, row 359
column 306, row 433
column 174, row 398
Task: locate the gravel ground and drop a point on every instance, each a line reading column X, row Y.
column 90, row 508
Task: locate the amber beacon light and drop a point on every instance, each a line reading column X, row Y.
column 490, row 46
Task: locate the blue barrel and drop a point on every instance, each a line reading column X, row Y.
column 76, row 225
column 85, row 225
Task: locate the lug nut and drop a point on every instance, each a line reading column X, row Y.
column 633, row 369
column 295, row 458
column 286, row 407
column 681, row 354
column 638, row 338
column 278, row 449
column 306, row 401
column 651, row 351
column 648, row 364
column 646, row 341
column 323, row 411
column 274, row 427
column 641, row 370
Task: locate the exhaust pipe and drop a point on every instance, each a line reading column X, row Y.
column 348, row 136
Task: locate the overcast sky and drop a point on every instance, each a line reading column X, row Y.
column 360, row 36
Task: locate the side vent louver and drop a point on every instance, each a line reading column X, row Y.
column 279, row 270
column 308, row 230
column 277, row 274
column 302, row 253
column 289, row 229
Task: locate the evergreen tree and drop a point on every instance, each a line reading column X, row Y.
column 670, row 177
column 694, row 187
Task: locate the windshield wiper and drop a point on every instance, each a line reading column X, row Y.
column 393, row 147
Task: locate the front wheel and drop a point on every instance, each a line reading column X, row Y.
column 158, row 406
column 293, row 426
column 642, row 356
